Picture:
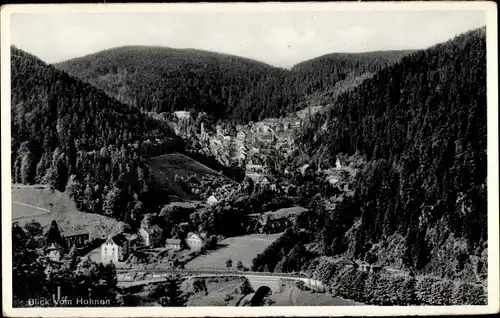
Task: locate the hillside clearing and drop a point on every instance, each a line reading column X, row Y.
column 40, row 203
column 165, row 167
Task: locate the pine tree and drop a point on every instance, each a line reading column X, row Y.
column 54, row 235
column 174, row 296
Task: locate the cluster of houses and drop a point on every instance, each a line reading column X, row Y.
column 248, row 144
column 118, row 248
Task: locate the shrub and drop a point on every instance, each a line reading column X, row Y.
column 442, row 292
column 371, row 284
column 469, row 294
column 424, row 291
column 300, row 285
column 408, row 292
column 350, row 283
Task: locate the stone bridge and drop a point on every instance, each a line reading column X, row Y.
column 274, row 281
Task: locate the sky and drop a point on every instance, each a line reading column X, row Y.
column 278, row 38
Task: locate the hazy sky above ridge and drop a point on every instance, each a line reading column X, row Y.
column 277, row 38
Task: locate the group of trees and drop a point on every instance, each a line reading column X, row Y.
column 35, row 277
column 421, row 126
column 164, row 79
column 74, row 137
column 286, row 254
column 390, row 290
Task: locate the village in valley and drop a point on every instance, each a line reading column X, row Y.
column 152, row 175
column 262, row 151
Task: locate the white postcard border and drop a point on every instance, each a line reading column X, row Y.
column 492, row 130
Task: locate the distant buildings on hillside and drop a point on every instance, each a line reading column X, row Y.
column 241, row 144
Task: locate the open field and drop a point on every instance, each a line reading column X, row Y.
column 239, row 248
column 39, row 203
column 176, row 163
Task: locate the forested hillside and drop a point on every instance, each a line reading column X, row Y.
column 331, row 74
column 73, row 136
column 228, row 87
column 421, row 199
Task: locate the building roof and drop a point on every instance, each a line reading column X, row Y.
column 118, row 239
column 190, row 204
column 153, row 228
column 173, row 241
column 54, row 247
column 345, row 261
column 70, row 233
column 294, row 210
column 202, row 236
column 281, row 222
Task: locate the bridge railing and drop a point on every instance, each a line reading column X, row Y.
column 141, row 274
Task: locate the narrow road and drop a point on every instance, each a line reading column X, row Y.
column 33, row 215
column 31, row 206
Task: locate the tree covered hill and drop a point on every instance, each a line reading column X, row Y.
column 163, row 79
column 75, row 137
column 325, row 73
column 420, row 124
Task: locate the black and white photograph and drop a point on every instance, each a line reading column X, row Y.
column 312, row 159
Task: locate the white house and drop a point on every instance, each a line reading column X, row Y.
column 195, row 240
column 54, row 252
column 182, row 114
column 212, row 200
column 111, row 251
column 338, row 165
column 303, row 169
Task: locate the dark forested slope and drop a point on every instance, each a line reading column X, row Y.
column 225, row 86
column 73, row 136
column 162, row 79
column 421, row 125
column 323, row 73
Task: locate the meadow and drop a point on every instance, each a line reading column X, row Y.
column 239, row 248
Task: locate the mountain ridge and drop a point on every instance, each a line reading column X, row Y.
column 227, row 86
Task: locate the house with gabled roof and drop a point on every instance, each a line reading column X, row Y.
column 115, row 249
column 195, row 240
column 151, row 235
column 54, row 252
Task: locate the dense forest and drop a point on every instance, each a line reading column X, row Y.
column 229, row 87
column 420, row 124
column 74, row 137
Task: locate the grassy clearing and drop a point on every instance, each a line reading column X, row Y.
column 166, row 167
column 32, row 202
column 239, row 248
column 176, row 163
